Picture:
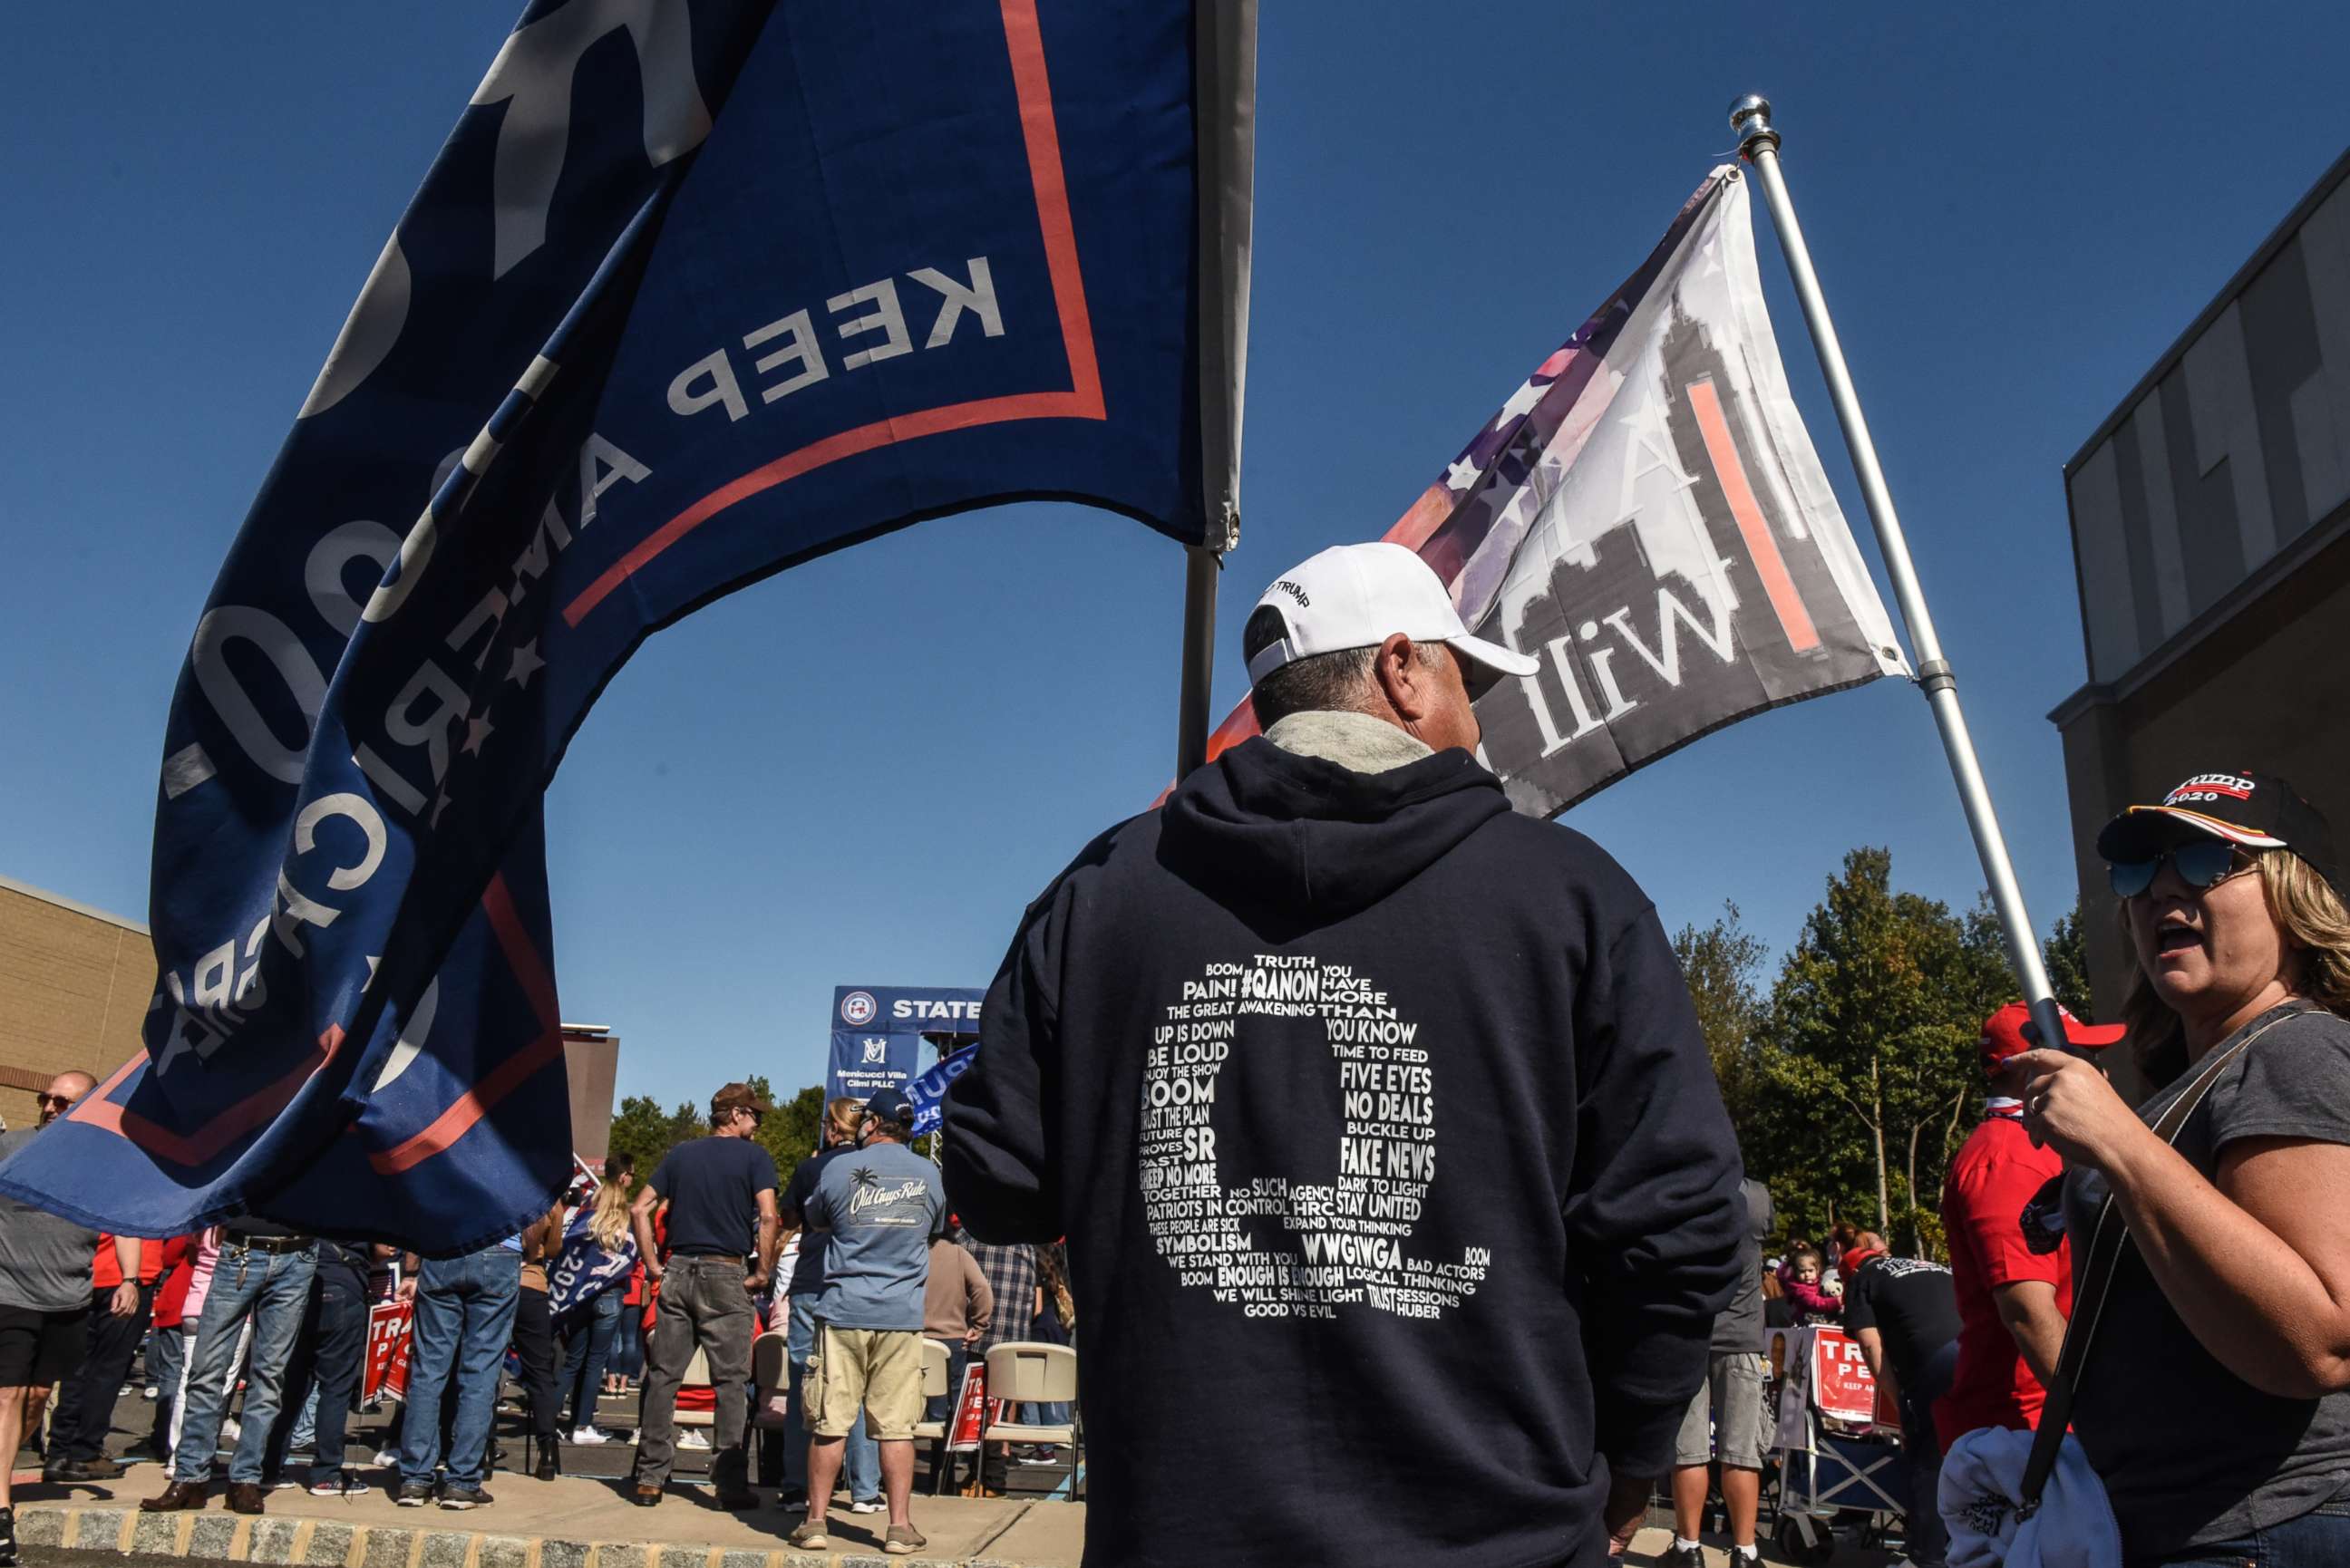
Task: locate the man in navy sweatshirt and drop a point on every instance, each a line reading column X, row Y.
column 1379, row 1123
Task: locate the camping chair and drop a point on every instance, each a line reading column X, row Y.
column 770, row 1374
column 1031, row 1372
column 938, row 1434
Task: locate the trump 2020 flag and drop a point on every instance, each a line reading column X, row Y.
column 697, row 290
column 1646, row 516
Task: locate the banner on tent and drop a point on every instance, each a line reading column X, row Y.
column 1646, row 516
column 697, row 290
column 879, row 1033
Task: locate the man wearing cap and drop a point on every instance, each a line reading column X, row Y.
column 2014, row 1303
column 720, row 1189
column 876, row 1211
column 1377, row 1120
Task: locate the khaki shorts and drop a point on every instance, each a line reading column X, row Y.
column 878, row 1370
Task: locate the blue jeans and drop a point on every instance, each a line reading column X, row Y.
column 1929, row 1539
column 588, row 1335
column 464, row 1315
column 167, row 1350
column 273, row 1288
column 2319, row 1539
column 860, row 1466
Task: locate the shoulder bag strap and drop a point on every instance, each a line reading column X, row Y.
column 2106, row 1244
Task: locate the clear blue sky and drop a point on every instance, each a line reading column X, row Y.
column 862, row 770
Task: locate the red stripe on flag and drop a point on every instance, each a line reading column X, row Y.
column 1041, row 133
column 202, row 1145
column 1785, row 602
column 530, row 972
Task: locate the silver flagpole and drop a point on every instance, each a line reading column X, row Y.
column 1201, row 566
column 1750, row 117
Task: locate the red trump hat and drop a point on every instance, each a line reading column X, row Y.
column 2004, row 1035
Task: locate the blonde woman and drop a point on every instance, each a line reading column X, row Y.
column 2215, row 1402
column 598, row 1253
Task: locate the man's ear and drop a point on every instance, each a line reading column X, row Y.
column 1403, row 679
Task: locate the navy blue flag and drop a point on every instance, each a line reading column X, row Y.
column 697, row 290
column 928, row 1092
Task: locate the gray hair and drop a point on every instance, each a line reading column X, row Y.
column 1320, row 683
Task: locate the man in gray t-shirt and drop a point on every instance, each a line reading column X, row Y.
column 44, row 1267
column 876, row 1207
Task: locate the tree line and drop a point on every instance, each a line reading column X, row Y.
column 1854, row 1077
column 645, row 1132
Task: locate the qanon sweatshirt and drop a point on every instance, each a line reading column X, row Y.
column 1398, row 1197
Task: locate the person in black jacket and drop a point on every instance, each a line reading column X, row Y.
column 1377, row 1121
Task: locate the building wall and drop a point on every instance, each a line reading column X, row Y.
column 593, row 1059
column 2211, row 540
column 2266, row 690
column 74, row 988
column 2231, row 448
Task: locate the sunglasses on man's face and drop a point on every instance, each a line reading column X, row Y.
column 2202, row 864
column 61, row 1101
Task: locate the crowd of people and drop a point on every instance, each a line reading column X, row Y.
column 253, row 1317
column 1504, row 1252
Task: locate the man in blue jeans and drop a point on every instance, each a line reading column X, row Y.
column 861, row 1466
column 465, row 1316
column 264, row 1271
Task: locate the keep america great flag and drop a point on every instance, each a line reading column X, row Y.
column 695, row 291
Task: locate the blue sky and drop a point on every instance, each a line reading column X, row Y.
column 860, row 771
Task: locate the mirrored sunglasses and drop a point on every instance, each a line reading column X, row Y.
column 2202, row 864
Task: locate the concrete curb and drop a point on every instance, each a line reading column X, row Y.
column 215, row 1537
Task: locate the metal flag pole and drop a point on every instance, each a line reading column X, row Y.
column 1202, row 566
column 1749, row 117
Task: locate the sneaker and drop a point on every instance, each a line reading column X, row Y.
column 903, row 1541
column 694, row 1439
column 149, row 1393
column 808, row 1536
column 793, row 1499
column 414, row 1494
column 459, row 1497
column 340, row 1483
column 867, row 1505
column 7, row 1538
column 287, row 1483
column 587, row 1436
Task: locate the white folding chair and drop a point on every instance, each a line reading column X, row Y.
column 1031, row 1372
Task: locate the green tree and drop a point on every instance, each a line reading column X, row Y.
column 1870, row 1051
column 790, row 1134
column 1720, row 962
column 2067, row 958
column 641, row 1129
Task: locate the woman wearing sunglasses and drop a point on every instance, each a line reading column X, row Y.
column 2215, row 1401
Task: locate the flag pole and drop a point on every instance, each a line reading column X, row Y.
column 1749, row 117
column 1202, row 566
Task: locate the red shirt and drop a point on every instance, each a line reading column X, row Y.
column 1997, row 1171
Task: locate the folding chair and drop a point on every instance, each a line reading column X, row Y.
column 770, row 1368
column 935, row 1357
column 1031, row 1372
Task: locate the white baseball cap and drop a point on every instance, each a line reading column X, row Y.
column 1359, row 595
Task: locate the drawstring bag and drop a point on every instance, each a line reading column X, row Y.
column 2031, row 1500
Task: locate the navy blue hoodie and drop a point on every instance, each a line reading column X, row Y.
column 1400, row 1198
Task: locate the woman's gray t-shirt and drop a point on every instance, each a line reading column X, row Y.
column 2190, row 1453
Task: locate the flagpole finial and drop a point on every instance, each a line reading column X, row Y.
column 1750, row 117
